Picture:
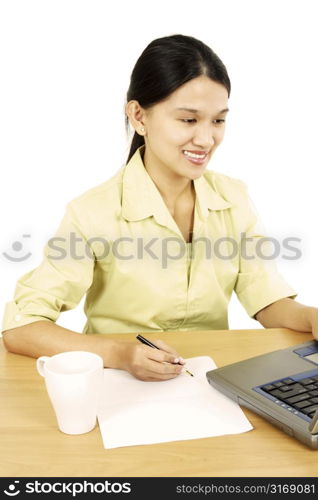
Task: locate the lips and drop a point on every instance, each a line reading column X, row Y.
column 195, row 155
column 198, row 160
column 196, row 152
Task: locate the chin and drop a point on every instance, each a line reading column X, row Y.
column 197, row 176
column 197, row 173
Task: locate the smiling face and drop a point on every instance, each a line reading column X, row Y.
column 191, row 119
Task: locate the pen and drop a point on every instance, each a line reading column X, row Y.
column 150, row 344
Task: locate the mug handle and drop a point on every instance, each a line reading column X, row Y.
column 40, row 364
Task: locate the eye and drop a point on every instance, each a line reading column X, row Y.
column 192, row 120
column 188, row 120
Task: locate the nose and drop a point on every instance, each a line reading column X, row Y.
column 204, row 137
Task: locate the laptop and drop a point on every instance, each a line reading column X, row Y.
column 280, row 386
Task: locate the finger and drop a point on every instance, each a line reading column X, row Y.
column 160, row 356
column 156, row 368
column 156, row 361
column 162, row 377
column 315, row 334
column 165, row 347
column 155, row 377
column 152, row 370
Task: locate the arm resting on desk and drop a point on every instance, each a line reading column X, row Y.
column 46, row 338
column 287, row 313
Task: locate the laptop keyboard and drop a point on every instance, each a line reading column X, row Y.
column 299, row 396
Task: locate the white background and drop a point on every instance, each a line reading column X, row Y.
column 65, row 69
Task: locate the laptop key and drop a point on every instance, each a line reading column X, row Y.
column 269, row 387
column 278, row 394
column 309, row 409
column 310, row 387
column 297, row 399
column 288, row 381
column 296, row 389
column 302, row 404
column 286, row 388
column 306, row 381
column 314, row 393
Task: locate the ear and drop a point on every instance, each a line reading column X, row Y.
column 136, row 115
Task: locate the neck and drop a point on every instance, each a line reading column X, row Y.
column 173, row 188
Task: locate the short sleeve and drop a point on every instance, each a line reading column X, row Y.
column 259, row 283
column 59, row 282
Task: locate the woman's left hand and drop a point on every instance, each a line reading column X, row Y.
column 312, row 315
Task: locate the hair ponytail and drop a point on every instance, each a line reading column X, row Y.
column 137, row 141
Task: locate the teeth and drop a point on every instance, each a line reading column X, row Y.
column 193, row 155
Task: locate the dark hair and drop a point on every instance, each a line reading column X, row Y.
column 166, row 64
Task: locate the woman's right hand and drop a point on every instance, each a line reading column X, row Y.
column 149, row 364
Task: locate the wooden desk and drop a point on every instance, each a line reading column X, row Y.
column 32, row 445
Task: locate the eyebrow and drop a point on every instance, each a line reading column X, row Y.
column 196, row 111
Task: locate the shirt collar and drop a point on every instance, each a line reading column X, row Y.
column 141, row 198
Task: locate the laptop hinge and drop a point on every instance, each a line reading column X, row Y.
column 313, row 426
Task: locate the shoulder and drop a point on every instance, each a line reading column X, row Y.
column 108, row 190
column 98, row 207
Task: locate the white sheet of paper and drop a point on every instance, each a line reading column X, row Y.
column 134, row 412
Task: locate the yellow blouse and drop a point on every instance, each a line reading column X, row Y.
column 118, row 244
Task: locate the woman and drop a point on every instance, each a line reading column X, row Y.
column 140, row 245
